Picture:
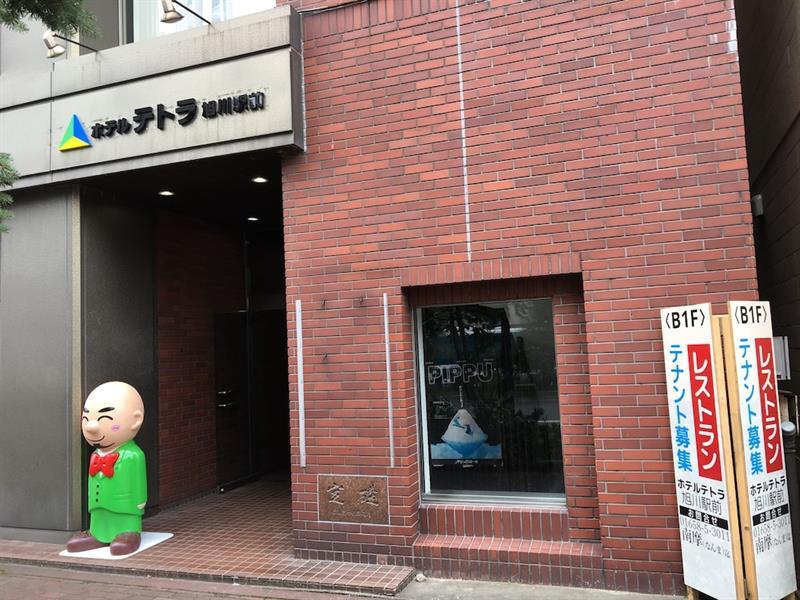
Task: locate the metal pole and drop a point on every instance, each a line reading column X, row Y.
column 789, row 429
column 199, row 16
column 301, row 386
column 390, row 409
column 66, row 39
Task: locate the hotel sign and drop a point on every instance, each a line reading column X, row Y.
column 186, row 111
column 206, row 92
column 231, row 101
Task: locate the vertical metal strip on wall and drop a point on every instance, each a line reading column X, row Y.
column 75, row 442
column 462, row 118
column 422, row 415
column 301, row 399
column 388, row 377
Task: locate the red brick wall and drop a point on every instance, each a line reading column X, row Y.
column 198, row 272
column 603, row 139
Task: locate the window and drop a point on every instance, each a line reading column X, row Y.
column 107, row 15
column 489, row 399
column 145, row 15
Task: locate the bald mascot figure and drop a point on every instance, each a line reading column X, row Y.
column 112, row 416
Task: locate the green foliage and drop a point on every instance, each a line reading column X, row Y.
column 62, row 16
column 8, row 175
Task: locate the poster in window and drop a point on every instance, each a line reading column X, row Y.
column 492, row 402
column 463, row 380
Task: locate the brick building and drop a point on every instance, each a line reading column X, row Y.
column 771, row 99
column 479, row 206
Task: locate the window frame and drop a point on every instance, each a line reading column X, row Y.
column 127, row 19
column 521, row 499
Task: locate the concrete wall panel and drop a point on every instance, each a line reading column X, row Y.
column 24, row 67
column 28, row 131
column 36, row 421
column 118, row 307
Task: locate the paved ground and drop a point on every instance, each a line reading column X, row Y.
column 23, row 582
column 244, row 535
column 28, row 582
column 449, row 589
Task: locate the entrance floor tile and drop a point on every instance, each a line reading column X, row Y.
column 243, row 536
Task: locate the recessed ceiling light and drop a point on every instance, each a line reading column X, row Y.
column 259, row 179
column 166, row 193
column 252, row 218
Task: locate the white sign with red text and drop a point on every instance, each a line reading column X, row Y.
column 759, row 411
column 698, row 451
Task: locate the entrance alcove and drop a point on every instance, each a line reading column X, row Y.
column 183, row 295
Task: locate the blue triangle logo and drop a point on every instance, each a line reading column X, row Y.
column 75, row 136
column 78, row 131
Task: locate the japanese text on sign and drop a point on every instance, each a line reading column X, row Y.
column 681, row 440
column 704, row 405
column 186, row 111
column 769, row 405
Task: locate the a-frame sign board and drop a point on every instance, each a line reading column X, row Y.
column 758, row 450
column 729, row 474
column 704, row 478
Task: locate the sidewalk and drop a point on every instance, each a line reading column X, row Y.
column 453, row 589
column 242, row 536
column 22, row 582
column 28, row 582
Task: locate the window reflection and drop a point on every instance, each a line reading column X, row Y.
column 147, row 15
column 491, row 397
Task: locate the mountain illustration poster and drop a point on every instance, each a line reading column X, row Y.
column 464, row 439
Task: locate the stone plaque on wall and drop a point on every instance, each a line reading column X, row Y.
column 353, row 499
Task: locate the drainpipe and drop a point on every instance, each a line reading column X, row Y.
column 789, row 431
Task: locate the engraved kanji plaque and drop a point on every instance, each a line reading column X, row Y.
column 353, row 499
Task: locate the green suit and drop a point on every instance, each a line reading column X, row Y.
column 114, row 501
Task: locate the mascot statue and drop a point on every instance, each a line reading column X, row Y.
column 112, row 416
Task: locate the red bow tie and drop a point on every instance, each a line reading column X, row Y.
column 102, row 463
